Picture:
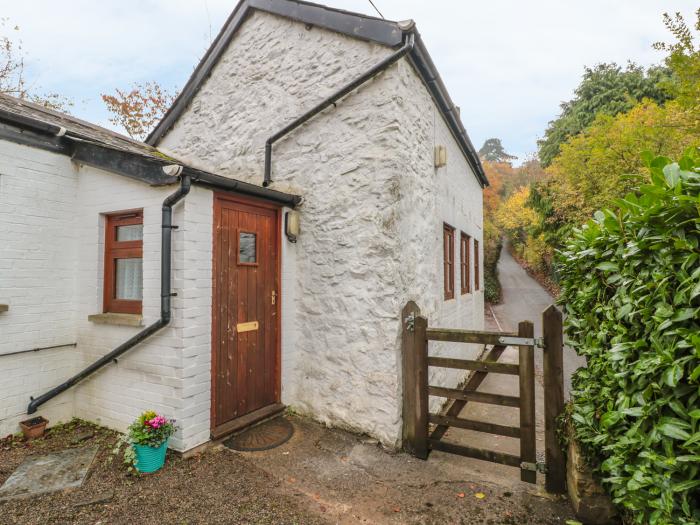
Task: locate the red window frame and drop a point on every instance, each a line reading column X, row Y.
column 448, row 238
column 120, row 250
column 476, row 265
column 465, row 284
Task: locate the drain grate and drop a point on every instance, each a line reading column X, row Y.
column 265, row 436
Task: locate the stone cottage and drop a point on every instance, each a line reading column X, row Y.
column 255, row 253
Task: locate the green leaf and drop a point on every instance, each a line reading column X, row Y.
column 672, row 375
column 673, row 431
column 607, row 267
column 684, row 313
column 686, row 485
column 672, row 174
column 624, row 311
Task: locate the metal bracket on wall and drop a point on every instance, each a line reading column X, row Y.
column 410, row 322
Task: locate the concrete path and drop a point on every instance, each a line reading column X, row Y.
column 524, row 300
column 349, row 479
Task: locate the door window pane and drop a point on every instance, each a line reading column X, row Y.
column 246, row 248
column 129, row 279
column 132, row 232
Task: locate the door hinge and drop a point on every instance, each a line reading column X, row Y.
column 534, row 467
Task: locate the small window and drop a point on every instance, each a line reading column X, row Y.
column 464, row 263
column 476, row 265
column 448, row 236
column 247, row 248
column 123, row 287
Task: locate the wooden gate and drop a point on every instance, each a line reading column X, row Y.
column 424, row 431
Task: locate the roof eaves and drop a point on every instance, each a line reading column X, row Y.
column 360, row 26
column 33, row 132
column 201, row 72
column 351, row 24
column 421, row 60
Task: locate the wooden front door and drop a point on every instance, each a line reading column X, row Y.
column 245, row 334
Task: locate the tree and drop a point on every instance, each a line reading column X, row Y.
column 139, row 109
column 605, row 89
column 684, row 61
column 12, row 75
column 493, row 151
column 603, row 163
column 515, row 217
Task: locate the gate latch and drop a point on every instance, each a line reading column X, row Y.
column 410, row 322
column 534, row 467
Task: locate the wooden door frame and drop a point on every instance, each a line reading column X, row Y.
column 252, row 417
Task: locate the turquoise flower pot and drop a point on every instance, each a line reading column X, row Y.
column 150, row 459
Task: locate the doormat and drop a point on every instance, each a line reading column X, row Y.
column 43, row 474
column 264, row 436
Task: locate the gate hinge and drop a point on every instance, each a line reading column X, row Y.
column 410, row 322
column 516, row 341
column 534, row 467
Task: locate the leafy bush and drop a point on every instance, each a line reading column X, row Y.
column 492, row 287
column 631, row 289
column 492, row 252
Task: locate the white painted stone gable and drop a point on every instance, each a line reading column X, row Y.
column 372, row 212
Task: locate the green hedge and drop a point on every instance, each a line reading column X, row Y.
column 631, row 289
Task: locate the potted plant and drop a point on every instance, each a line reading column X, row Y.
column 34, row 427
column 149, row 436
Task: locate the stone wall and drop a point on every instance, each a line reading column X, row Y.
column 591, row 503
column 430, row 197
column 372, row 212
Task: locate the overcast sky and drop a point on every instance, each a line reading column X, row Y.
column 507, row 63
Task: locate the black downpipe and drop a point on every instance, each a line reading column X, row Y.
column 367, row 75
column 165, row 295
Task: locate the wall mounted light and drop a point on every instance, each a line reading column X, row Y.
column 291, row 225
column 440, row 156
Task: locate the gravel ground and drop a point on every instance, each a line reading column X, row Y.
column 214, row 487
column 319, row 476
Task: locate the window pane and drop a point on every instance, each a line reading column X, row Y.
column 129, row 279
column 246, row 247
column 132, row 232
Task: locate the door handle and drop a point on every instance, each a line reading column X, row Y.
column 274, row 297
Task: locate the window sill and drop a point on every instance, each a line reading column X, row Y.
column 117, row 319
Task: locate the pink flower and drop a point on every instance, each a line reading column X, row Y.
column 157, row 422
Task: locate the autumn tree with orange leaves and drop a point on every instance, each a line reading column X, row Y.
column 139, row 109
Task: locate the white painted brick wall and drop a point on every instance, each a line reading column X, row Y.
column 372, row 215
column 37, row 255
column 161, row 373
column 51, row 273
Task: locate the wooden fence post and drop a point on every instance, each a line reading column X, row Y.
column 528, row 445
column 415, row 381
column 552, row 331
